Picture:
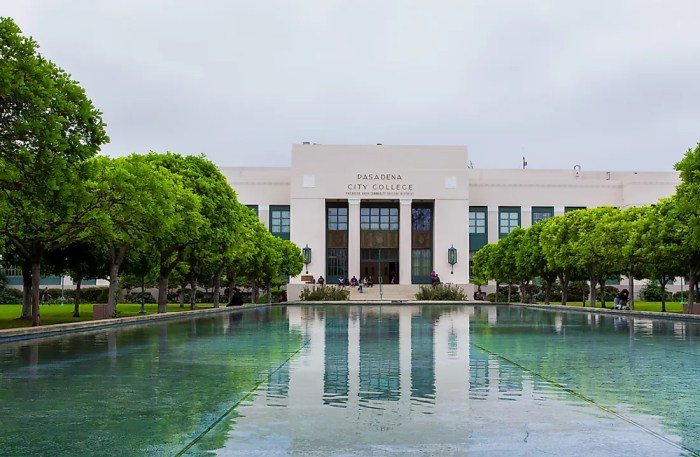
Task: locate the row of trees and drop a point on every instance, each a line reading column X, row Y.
column 90, row 216
column 658, row 242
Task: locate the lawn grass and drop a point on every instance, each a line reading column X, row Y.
column 655, row 306
column 59, row 314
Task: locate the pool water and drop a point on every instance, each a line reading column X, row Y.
column 359, row 380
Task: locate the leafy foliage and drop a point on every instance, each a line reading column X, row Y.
column 441, row 292
column 325, row 293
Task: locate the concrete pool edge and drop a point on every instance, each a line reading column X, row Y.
column 605, row 311
column 29, row 333
column 43, row 331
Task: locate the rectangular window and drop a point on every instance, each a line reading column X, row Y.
column 540, row 213
column 279, row 221
column 337, row 219
column 573, row 208
column 508, row 219
column 378, row 218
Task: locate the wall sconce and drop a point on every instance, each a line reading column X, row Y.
column 452, row 257
column 307, row 257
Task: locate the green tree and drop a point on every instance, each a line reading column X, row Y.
column 597, row 240
column 182, row 223
column 557, row 241
column 687, row 198
column 532, row 261
column 657, row 242
column 48, row 129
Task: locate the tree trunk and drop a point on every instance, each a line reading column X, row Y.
column 269, row 293
column 564, row 281
column 691, row 290
column 602, row 293
column 663, row 294
column 594, row 281
column 217, row 286
column 631, row 286
column 26, row 291
column 547, row 291
column 36, row 283
column 76, row 299
column 116, row 257
column 163, row 291
column 508, row 292
column 193, row 291
column 231, row 284
column 183, row 287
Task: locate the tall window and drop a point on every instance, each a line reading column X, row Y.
column 421, row 242
column 279, row 221
column 508, row 219
column 379, row 218
column 477, row 222
column 336, row 241
column 478, row 230
column 540, row 213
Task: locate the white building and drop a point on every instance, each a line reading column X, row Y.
column 394, row 212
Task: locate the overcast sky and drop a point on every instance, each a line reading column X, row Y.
column 605, row 84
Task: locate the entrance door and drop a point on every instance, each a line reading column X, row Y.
column 381, row 265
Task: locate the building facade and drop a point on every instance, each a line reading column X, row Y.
column 397, row 213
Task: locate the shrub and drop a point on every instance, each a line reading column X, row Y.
column 94, row 294
column 441, row 292
column 10, row 296
column 325, row 293
column 652, row 292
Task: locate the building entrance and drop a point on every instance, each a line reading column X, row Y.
column 380, row 265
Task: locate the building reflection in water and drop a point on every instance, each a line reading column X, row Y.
column 375, row 356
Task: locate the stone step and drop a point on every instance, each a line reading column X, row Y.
column 385, row 292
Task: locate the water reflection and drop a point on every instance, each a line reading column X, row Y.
column 370, row 369
column 359, row 380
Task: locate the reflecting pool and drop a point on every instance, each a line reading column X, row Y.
column 359, row 380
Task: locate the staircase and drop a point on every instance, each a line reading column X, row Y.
column 389, row 292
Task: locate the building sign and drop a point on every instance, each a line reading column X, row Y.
column 379, row 185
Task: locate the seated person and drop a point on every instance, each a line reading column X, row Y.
column 321, row 281
column 621, row 299
column 436, row 280
column 353, row 281
column 341, row 282
column 236, row 298
column 370, row 282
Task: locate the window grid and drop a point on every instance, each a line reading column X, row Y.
column 421, row 262
column 279, row 220
column 337, row 262
column 508, row 219
column 541, row 213
column 477, row 222
column 338, row 219
column 379, row 219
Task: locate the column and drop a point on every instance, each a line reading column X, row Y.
column 354, row 237
column 405, row 241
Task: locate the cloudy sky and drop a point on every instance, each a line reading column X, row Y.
column 605, row 84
